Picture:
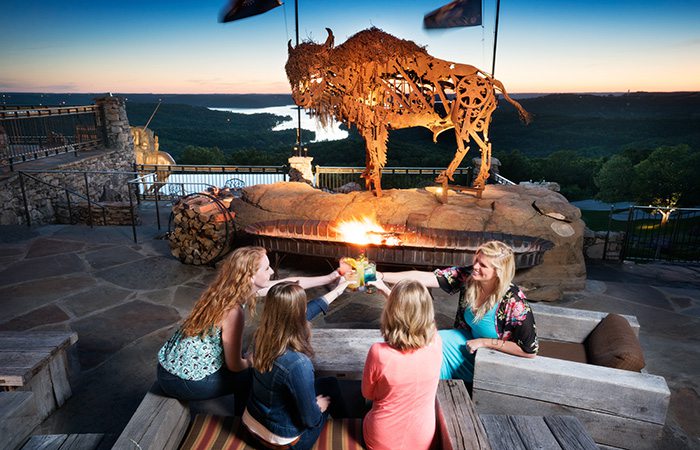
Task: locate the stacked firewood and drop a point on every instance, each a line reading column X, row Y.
column 201, row 228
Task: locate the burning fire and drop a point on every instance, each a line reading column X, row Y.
column 365, row 231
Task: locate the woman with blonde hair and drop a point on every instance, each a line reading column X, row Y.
column 492, row 312
column 401, row 374
column 204, row 358
column 285, row 408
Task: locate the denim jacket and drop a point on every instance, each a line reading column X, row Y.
column 284, row 398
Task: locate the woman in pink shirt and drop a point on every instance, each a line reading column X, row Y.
column 401, row 374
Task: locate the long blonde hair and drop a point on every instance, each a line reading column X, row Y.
column 233, row 286
column 408, row 318
column 500, row 256
column 283, row 325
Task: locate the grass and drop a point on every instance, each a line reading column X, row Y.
column 599, row 221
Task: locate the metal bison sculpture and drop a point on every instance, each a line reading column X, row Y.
column 378, row 82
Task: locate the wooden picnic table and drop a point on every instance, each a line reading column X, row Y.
column 37, row 361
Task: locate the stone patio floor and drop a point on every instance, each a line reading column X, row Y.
column 124, row 299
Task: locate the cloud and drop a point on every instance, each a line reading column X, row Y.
column 16, row 86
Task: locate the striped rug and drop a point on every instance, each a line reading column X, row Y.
column 208, row 432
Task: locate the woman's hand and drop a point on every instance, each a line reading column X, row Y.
column 475, row 344
column 339, row 289
column 343, row 267
column 323, row 402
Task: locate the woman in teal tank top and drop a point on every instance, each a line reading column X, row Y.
column 492, row 313
column 204, row 358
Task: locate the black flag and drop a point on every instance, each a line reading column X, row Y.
column 240, row 9
column 460, row 13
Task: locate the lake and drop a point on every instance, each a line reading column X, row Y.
column 330, row 133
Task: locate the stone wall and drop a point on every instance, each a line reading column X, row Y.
column 112, row 213
column 594, row 246
column 107, row 175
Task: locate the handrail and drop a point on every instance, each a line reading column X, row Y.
column 67, row 191
column 500, row 179
column 24, row 112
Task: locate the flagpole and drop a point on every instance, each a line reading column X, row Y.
column 296, row 30
column 495, row 38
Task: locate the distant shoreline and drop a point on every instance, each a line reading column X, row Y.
column 230, row 100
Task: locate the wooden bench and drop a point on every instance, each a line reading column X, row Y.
column 160, row 422
column 34, row 379
column 528, row 432
column 342, row 353
column 87, row 441
column 619, row 408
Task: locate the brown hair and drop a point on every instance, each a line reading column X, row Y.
column 283, row 325
column 408, row 319
column 232, row 287
column 500, row 256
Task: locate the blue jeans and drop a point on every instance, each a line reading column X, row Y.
column 220, row 383
column 324, row 386
column 316, row 307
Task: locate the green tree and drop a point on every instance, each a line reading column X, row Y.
column 516, row 167
column 572, row 171
column 669, row 170
column 614, row 180
column 202, row 156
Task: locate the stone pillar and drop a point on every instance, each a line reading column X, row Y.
column 4, row 146
column 116, row 124
column 300, row 169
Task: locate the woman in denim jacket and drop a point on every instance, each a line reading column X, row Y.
column 204, row 358
column 284, row 409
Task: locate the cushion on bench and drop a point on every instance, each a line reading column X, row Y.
column 613, row 344
column 228, row 433
column 568, row 351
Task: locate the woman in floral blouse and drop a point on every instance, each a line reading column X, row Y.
column 492, row 311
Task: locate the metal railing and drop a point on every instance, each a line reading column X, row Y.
column 184, row 179
column 67, row 192
column 33, row 132
column 649, row 238
column 332, row 178
column 500, row 179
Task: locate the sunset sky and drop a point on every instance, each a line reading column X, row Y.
column 180, row 47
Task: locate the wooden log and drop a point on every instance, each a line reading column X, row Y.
column 535, row 433
column 159, row 423
column 18, row 417
column 458, row 424
column 86, row 441
column 348, row 363
column 605, row 429
column 618, row 392
column 199, row 230
column 502, row 433
column 570, row 433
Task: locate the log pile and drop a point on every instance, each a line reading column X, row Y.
column 201, row 227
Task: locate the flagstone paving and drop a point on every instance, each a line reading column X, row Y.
column 124, row 298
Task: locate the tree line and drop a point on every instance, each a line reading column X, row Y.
column 637, row 147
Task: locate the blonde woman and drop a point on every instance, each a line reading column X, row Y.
column 401, row 374
column 492, row 313
column 204, row 358
column 285, row 409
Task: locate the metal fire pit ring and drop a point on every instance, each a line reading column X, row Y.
column 424, row 247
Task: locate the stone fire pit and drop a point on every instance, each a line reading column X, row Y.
column 528, row 211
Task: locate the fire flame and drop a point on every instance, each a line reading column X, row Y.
column 365, row 231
